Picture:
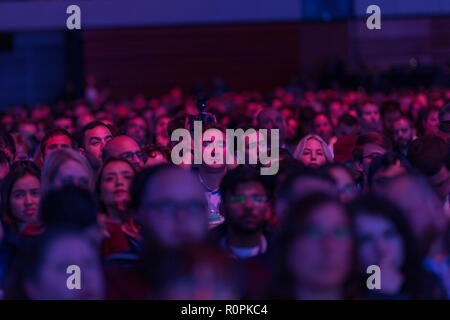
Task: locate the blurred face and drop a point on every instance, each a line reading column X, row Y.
column 382, row 177
column 321, row 255
column 370, row 152
column 441, row 182
column 64, row 123
column 345, row 184
column 212, row 149
column 4, row 170
column 389, row 119
column 344, row 130
column 403, row 132
column 115, row 183
column 323, row 127
column 7, row 122
column 155, row 159
column 40, row 131
column 174, row 212
column 379, row 241
column 94, row 143
column 248, row 209
column 370, row 118
column 57, row 142
column 161, row 127
column 272, row 119
column 24, row 199
column 444, row 126
column 27, row 129
column 137, row 129
column 71, row 173
column 432, row 123
column 313, row 154
column 292, row 128
column 51, row 280
column 126, row 148
column 336, row 110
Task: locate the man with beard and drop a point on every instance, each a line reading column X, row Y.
column 246, row 206
column 403, row 133
column 370, row 119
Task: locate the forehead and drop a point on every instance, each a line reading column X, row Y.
column 369, row 107
column 313, row 143
column 250, row 187
column 27, row 181
column 59, row 139
column 115, row 166
column 321, row 118
column 63, row 120
column 400, row 123
column 328, row 215
column 166, row 185
column 99, row 131
column 137, row 121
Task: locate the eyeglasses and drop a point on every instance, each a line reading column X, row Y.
column 255, row 199
column 130, row 155
column 168, row 208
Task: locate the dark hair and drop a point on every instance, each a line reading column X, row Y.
column 415, row 276
column 52, row 133
column 282, row 283
column 428, row 154
column 11, row 178
column 29, row 259
column 153, row 149
column 389, row 106
column 348, row 120
column 423, row 115
column 7, row 142
column 69, row 206
column 383, row 162
column 444, row 110
column 243, row 174
column 370, row 138
column 91, row 125
column 98, row 184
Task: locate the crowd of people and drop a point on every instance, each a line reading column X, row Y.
column 363, row 180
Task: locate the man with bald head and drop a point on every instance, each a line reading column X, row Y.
column 170, row 204
column 126, row 148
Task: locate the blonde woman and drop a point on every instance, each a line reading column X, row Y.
column 313, row 151
column 66, row 166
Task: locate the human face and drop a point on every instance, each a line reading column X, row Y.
column 161, row 127
column 389, row 120
column 370, row 152
column 320, row 257
column 382, row 177
column 94, row 143
column 174, row 212
column 323, row 127
column 379, row 241
column 27, row 129
column 126, row 148
column 292, row 128
column 248, row 209
column 344, row 130
column 51, row 281
column 24, row 199
column 345, row 184
column 313, row 154
column 441, row 182
column 57, row 142
column 370, row 118
column 214, row 150
column 444, row 126
column 272, row 119
column 64, row 123
column 115, row 183
column 137, row 129
column 71, row 173
column 403, row 132
column 432, row 123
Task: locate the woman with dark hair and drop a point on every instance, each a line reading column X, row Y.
column 428, row 121
column 113, row 193
column 40, row 270
column 316, row 256
column 384, row 238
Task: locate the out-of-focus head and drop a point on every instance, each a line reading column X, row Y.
column 323, row 126
column 344, row 180
column 66, row 167
column 313, row 151
column 384, row 168
column 346, row 125
column 403, row 131
column 429, row 119
column 369, row 115
column 136, row 128
column 430, row 155
column 368, row 147
column 41, row 267
column 65, row 123
column 55, row 139
column 124, row 147
column 156, row 155
column 7, row 145
column 172, row 213
column 444, row 122
column 271, row 118
column 390, row 112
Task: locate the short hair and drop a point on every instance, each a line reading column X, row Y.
column 362, row 105
column 347, row 120
column 53, row 133
column 384, row 162
column 69, row 206
column 370, row 138
column 91, row 125
column 389, row 106
column 244, row 174
column 55, row 160
column 428, row 154
column 407, row 118
column 301, row 146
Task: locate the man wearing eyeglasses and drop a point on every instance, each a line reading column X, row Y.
column 126, row 148
column 246, row 206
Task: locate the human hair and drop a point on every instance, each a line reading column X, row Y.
column 443, row 111
column 8, row 183
column 301, row 147
column 347, row 120
column 370, row 138
column 428, row 154
column 69, row 206
column 378, row 206
column 98, row 183
column 55, row 160
column 7, row 142
column 389, row 106
column 385, row 161
column 423, row 115
column 91, row 125
column 53, row 133
column 244, row 174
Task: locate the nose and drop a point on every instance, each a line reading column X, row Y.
column 28, row 199
column 119, row 181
